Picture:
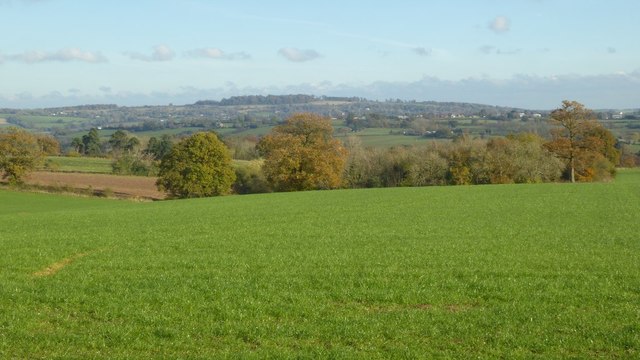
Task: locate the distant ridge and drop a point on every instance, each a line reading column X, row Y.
column 273, row 100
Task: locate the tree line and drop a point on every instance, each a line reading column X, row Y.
column 302, row 154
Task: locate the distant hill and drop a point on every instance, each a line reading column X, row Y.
column 322, row 104
column 272, row 100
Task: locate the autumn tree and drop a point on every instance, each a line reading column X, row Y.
column 20, row 153
column 586, row 147
column 302, row 154
column 49, row 146
column 197, row 166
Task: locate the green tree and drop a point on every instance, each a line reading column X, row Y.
column 584, row 145
column 91, row 143
column 250, row 178
column 118, row 141
column 302, row 154
column 20, row 153
column 159, row 148
column 133, row 143
column 78, row 145
column 197, row 166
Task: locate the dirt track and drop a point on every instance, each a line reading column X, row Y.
column 128, row 186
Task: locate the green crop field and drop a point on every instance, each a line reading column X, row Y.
column 41, row 122
column 509, row 271
column 79, row 164
column 382, row 137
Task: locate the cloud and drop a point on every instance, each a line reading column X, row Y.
column 611, row 50
column 422, row 51
column 299, row 55
column 604, row 91
column 105, row 89
column 215, row 53
column 532, row 92
column 64, row 55
column 160, row 53
column 500, row 24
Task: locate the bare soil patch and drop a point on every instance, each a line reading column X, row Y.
column 55, row 267
column 110, row 185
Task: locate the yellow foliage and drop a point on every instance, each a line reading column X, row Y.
column 303, row 155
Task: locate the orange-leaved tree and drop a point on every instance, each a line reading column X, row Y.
column 302, row 154
column 586, row 147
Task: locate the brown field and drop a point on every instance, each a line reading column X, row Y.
column 3, row 121
column 120, row 186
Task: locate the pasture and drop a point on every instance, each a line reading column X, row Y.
column 382, row 137
column 509, row 271
column 39, row 122
column 80, row 164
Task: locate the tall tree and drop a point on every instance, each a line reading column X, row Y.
column 302, row 154
column 20, row 153
column 159, row 148
column 78, row 145
column 198, row 166
column 91, row 142
column 581, row 142
column 118, row 141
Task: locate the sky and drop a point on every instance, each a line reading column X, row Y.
column 520, row 53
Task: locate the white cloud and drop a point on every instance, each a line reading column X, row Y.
column 500, row 24
column 160, row 53
column 215, row 53
column 299, row 55
column 64, row 55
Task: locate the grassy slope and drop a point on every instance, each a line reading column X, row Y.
column 503, row 271
column 79, row 164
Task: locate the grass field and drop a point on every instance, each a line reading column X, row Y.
column 509, row 271
column 381, row 137
column 42, row 122
column 81, row 164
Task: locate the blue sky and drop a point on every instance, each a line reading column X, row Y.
column 522, row 53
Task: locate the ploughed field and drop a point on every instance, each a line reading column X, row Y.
column 128, row 186
column 545, row 270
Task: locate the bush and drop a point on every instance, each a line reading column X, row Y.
column 250, row 179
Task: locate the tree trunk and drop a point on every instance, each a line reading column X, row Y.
column 573, row 170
